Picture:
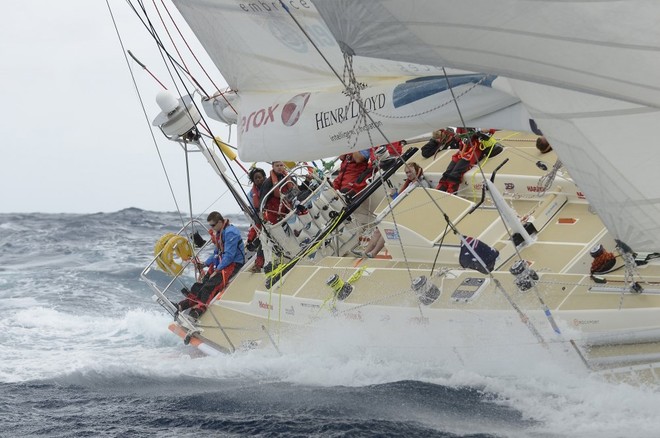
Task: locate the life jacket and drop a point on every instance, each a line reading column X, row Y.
column 214, row 237
column 255, row 197
column 472, row 151
column 274, row 209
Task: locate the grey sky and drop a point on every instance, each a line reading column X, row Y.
column 74, row 137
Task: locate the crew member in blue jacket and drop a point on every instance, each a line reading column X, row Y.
column 227, row 259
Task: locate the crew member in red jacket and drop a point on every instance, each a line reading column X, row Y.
column 275, row 208
column 353, row 172
column 467, row 156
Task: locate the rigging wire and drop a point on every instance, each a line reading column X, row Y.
column 144, row 67
column 152, row 31
column 444, row 234
column 203, row 125
column 161, row 49
column 451, row 90
column 144, row 111
column 346, row 87
column 190, row 203
column 196, row 59
column 170, row 35
column 185, row 67
column 164, row 52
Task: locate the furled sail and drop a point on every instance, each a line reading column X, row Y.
column 291, row 104
column 587, row 72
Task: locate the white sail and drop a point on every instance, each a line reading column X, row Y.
column 587, row 72
column 292, row 106
column 309, row 125
column 609, row 148
column 609, row 48
column 259, row 48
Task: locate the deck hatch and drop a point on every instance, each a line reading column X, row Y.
column 469, row 289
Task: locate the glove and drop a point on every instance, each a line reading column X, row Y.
column 199, row 240
column 483, row 136
column 300, row 207
column 253, row 245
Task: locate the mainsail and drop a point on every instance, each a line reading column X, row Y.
column 587, row 72
column 293, row 106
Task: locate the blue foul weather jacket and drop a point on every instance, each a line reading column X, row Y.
column 233, row 249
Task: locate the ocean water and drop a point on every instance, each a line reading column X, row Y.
column 84, row 351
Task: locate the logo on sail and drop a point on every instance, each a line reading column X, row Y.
column 293, row 109
column 287, row 35
column 258, row 118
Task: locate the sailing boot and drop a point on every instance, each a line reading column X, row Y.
column 195, row 313
column 452, row 187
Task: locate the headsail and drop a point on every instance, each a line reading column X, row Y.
column 292, row 105
column 591, row 72
column 604, row 47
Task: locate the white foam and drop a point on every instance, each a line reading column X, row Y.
column 548, row 386
column 40, row 343
column 553, row 390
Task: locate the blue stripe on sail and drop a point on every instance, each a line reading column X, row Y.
column 419, row 88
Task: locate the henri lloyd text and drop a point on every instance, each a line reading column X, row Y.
column 351, row 111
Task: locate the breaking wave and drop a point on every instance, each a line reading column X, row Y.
column 83, row 344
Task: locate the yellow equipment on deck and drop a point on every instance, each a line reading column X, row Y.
column 167, row 247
